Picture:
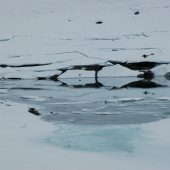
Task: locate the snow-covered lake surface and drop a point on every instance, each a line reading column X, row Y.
column 70, row 63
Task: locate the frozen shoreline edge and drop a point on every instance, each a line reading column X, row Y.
column 20, row 145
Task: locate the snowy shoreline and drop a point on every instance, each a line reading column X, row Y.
column 22, row 147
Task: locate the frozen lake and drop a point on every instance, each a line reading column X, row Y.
column 77, row 66
column 94, row 115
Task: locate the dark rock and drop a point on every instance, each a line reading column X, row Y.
column 34, row 111
column 145, row 92
column 137, row 13
column 145, row 56
column 99, row 22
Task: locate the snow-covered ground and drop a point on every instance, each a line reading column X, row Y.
column 23, row 145
column 65, row 33
column 55, row 34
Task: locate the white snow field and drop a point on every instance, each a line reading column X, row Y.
column 65, row 33
column 38, row 38
column 22, row 145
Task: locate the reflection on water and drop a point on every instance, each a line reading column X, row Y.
column 127, row 100
column 143, row 84
column 135, row 84
column 95, row 84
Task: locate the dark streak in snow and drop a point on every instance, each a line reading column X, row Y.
column 25, row 88
column 7, row 39
column 23, row 65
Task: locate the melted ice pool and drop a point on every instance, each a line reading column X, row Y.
column 94, row 115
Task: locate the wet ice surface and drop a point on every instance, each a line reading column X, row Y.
column 91, row 112
column 98, row 138
column 82, row 101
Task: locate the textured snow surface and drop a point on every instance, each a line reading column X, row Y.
column 65, row 33
column 56, row 34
